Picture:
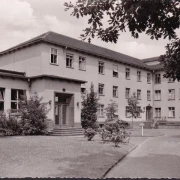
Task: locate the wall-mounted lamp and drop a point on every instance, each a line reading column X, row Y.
column 64, row 90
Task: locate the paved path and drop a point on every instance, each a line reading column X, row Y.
column 157, row 157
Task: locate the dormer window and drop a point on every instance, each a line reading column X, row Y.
column 54, row 53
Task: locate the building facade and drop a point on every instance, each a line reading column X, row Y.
column 61, row 69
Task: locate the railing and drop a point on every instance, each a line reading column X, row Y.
column 157, row 120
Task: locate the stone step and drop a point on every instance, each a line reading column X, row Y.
column 67, row 134
column 67, row 131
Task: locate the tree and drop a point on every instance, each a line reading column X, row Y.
column 133, row 107
column 89, row 109
column 111, row 109
column 158, row 19
column 33, row 115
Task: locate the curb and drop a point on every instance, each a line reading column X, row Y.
column 118, row 161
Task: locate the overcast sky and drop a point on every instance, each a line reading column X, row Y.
column 21, row 20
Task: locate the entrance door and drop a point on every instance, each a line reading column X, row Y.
column 148, row 113
column 61, row 114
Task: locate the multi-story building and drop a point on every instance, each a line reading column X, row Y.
column 60, row 69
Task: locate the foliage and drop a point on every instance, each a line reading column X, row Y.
column 111, row 109
column 89, row 109
column 89, row 133
column 157, row 19
column 133, row 107
column 33, row 115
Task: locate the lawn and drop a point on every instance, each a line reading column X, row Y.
column 55, row 156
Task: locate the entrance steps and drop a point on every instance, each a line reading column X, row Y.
column 169, row 125
column 68, row 131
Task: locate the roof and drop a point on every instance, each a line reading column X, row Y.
column 12, row 74
column 71, row 43
column 151, row 59
column 157, row 67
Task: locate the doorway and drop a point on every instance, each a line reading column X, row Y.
column 149, row 113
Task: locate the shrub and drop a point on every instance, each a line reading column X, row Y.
column 89, row 133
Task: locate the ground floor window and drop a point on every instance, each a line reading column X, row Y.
column 2, row 93
column 127, row 113
column 157, row 112
column 171, row 111
column 101, row 110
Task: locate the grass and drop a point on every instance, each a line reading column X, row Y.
column 49, row 156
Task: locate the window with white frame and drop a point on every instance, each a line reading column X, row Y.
column 138, row 94
column 138, row 75
column 157, row 94
column 16, row 96
column 127, row 74
column 101, row 89
column 148, row 77
column 54, row 54
column 171, row 112
column 171, row 80
column 171, row 94
column 148, row 95
column 82, row 63
column 158, row 78
column 2, row 93
column 127, row 93
column 139, row 110
column 69, row 60
column 101, row 67
column 115, row 91
column 127, row 113
column 157, row 112
column 101, row 110
column 115, row 70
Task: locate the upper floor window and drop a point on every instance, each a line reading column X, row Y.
column 82, row 63
column 158, row 78
column 138, row 75
column 127, row 73
column 54, row 53
column 127, row 94
column 148, row 95
column 101, row 89
column 171, row 94
column 138, row 94
column 157, row 95
column 171, row 80
column 148, row 77
column 101, row 110
column 157, row 112
column 115, row 91
column 16, row 96
column 171, row 111
column 2, row 93
column 101, row 67
column 115, row 70
column 69, row 60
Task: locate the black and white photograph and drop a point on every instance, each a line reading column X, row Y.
column 90, row 89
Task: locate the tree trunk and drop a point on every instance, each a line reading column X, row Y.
column 132, row 123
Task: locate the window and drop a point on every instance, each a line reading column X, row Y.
column 127, row 73
column 115, row 70
column 127, row 95
column 170, row 80
column 101, row 110
column 157, row 95
column 158, row 78
column 171, row 94
column 157, row 112
column 138, row 94
column 127, row 113
column 69, row 60
column 101, row 67
column 148, row 95
column 16, row 95
column 83, row 90
column 148, row 78
column 101, row 89
column 139, row 110
column 138, row 75
column 82, row 63
column 172, row 112
column 115, row 91
column 2, row 93
column 54, row 56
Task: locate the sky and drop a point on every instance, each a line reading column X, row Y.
column 21, row 20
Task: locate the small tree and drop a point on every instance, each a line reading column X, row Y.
column 89, row 109
column 111, row 109
column 33, row 115
column 133, row 107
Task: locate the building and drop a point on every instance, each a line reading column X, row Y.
column 61, row 69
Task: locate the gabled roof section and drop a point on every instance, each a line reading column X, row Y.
column 12, row 74
column 151, row 59
column 71, row 43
